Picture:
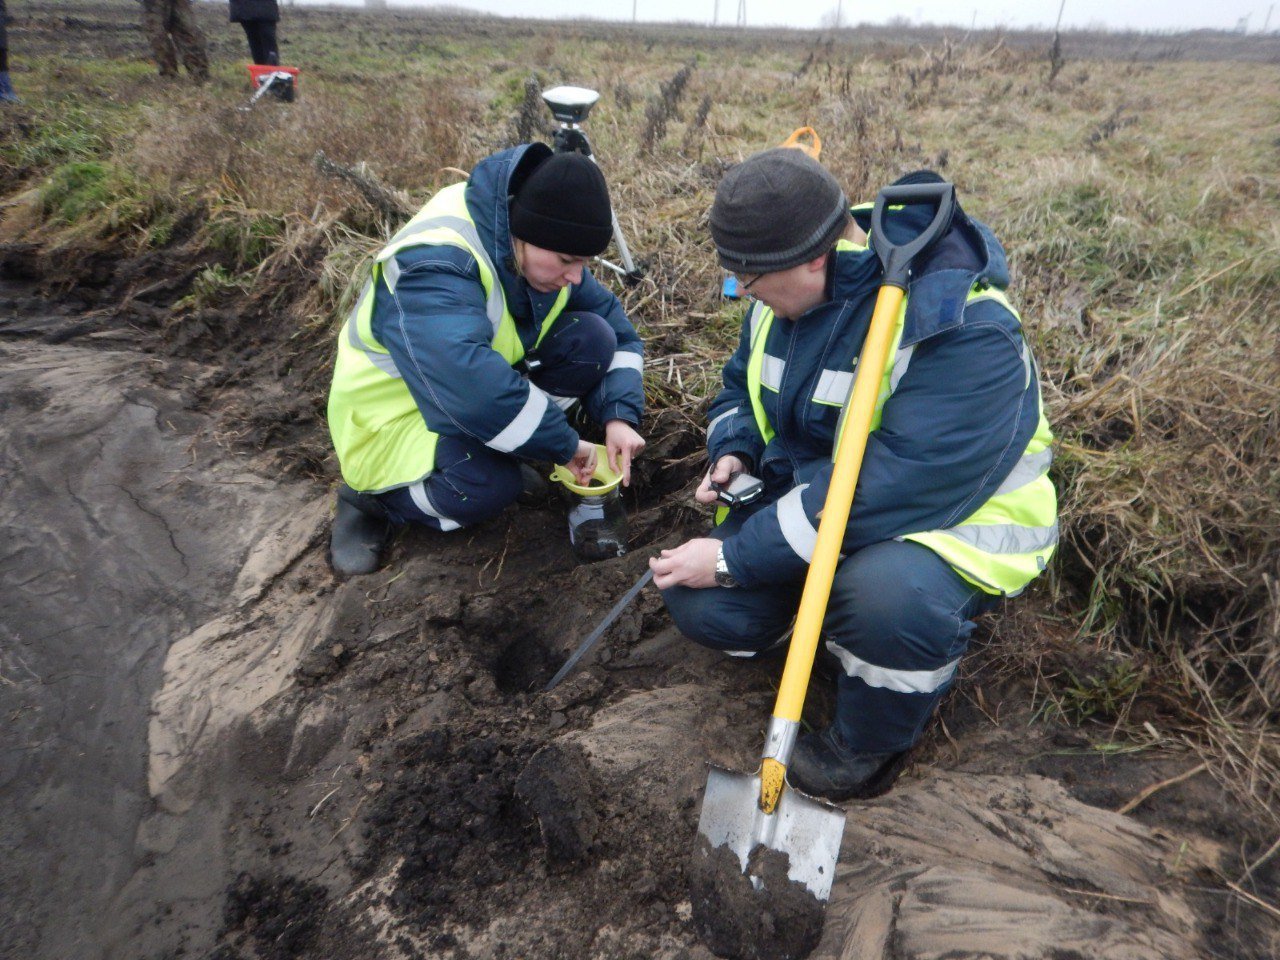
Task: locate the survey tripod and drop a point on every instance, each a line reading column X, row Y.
column 570, row 105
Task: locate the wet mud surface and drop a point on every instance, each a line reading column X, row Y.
column 119, row 535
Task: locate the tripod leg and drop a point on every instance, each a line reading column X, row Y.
column 580, row 142
column 621, row 241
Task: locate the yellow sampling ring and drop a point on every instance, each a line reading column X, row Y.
column 606, row 477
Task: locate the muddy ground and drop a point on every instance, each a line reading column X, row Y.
column 217, row 749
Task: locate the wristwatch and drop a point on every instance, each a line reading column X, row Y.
column 723, row 577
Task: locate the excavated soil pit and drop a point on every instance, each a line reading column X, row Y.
column 523, row 666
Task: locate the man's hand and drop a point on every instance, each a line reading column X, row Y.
column 722, row 472
column 692, row 564
column 623, row 444
column 583, row 464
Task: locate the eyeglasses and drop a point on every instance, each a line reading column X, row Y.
column 746, row 284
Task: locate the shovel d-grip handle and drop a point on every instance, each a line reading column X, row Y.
column 897, row 258
column 850, row 447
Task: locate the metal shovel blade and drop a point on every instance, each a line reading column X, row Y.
column 808, row 831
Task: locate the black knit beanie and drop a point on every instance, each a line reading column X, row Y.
column 775, row 210
column 563, row 206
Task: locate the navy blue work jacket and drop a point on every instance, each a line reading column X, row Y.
column 962, row 412
column 437, row 331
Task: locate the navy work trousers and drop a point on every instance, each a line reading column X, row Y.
column 261, row 35
column 472, row 483
column 898, row 620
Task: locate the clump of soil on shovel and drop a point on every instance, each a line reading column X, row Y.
column 780, row 921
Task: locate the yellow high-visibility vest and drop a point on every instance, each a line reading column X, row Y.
column 380, row 436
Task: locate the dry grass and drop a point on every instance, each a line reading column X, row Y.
column 1137, row 198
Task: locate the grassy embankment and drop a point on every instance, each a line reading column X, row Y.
column 1138, row 200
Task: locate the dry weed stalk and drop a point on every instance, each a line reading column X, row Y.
column 694, row 132
column 391, row 203
column 1109, row 127
column 1056, row 59
column 664, row 107
column 531, row 121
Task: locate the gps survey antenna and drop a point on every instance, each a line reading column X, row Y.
column 570, row 105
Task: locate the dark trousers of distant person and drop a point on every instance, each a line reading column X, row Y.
column 261, row 35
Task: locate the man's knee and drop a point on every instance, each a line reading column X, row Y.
column 899, row 604
column 712, row 618
column 688, row 612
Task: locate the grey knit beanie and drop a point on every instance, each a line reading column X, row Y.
column 775, row 210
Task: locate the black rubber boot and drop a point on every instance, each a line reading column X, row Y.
column 822, row 766
column 361, row 531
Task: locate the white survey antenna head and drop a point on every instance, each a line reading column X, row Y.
column 570, row 104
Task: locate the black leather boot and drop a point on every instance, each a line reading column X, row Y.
column 822, row 766
column 361, row 531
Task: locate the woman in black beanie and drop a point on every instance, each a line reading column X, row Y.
column 259, row 19
column 479, row 327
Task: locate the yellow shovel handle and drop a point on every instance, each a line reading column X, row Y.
column 850, row 447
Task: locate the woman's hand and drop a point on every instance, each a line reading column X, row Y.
column 692, row 564
column 722, row 472
column 583, row 464
column 622, row 444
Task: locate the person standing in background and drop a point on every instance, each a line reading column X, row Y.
column 6, row 88
column 259, row 19
column 173, row 34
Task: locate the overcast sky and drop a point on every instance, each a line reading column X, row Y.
column 1140, row 14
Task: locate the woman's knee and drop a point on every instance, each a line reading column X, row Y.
column 471, row 483
column 575, row 354
column 469, row 499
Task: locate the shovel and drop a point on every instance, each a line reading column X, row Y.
column 746, row 812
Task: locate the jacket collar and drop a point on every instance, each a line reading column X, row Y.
column 968, row 255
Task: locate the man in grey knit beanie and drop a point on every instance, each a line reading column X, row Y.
column 777, row 210
column 953, row 509
column 775, row 218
